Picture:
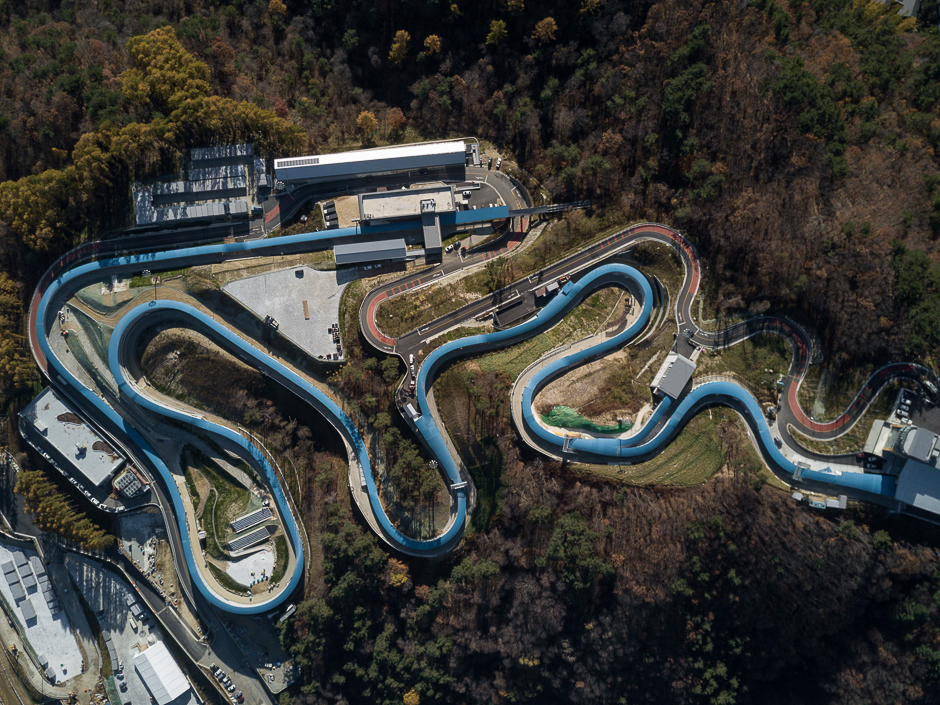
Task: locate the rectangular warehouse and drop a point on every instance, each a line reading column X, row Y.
column 382, row 250
column 324, row 167
column 159, row 672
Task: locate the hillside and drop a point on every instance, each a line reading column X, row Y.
column 795, row 141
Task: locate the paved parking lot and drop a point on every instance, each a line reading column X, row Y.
column 106, row 594
column 281, row 295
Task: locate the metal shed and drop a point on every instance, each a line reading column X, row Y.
column 357, row 252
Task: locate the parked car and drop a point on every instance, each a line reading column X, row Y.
column 449, row 248
column 499, row 162
column 230, row 688
column 490, row 163
column 411, row 358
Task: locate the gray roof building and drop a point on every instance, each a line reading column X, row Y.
column 919, row 486
column 673, row 375
column 906, row 8
column 160, row 673
column 357, row 252
column 919, row 444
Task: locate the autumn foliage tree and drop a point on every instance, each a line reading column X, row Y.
column 394, row 120
column 367, row 124
column 399, row 50
column 164, row 74
column 545, row 31
column 432, row 45
column 497, row 34
column 55, row 513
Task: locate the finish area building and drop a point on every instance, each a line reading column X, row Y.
column 368, row 162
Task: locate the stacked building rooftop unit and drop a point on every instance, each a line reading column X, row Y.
column 218, row 186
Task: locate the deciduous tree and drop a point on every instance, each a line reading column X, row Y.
column 394, row 120
column 399, row 50
column 432, row 45
column 367, row 124
column 545, row 31
column 498, row 33
column 164, row 74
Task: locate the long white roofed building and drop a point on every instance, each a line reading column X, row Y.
column 363, row 162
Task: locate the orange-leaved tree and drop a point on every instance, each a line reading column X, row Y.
column 164, row 74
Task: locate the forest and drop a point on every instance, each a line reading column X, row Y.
column 795, row 141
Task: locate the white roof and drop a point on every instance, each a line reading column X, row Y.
column 366, row 155
column 160, row 674
column 72, row 437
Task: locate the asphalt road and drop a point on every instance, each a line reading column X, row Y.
column 688, row 334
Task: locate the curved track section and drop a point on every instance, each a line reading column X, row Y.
column 194, row 318
column 58, row 286
column 667, row 419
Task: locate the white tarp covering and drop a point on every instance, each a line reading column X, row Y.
column 160, row 674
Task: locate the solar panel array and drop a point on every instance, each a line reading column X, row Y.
column 217, row 172
column 147, row 214
column 202, row 186
column 248, row 540
column 224, row 152
column 250, row 520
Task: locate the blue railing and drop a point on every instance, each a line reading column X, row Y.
column 636, row 445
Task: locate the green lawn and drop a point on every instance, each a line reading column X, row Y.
column 141, row 280
column 711, row 440
column 226, row 502
column 584, row 320
column 280, row 563
column 226, row 580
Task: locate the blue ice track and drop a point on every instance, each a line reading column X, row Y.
column 656, row 433
column 639, row 444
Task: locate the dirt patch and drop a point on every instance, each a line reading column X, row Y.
column 347, row 210
column 165, row 570
column 202, row 489
column 68, row 417
column 102, row 447
column 587, row 385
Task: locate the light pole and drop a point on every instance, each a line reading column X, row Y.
column 152, row 281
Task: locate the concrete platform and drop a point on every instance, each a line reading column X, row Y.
column 281, row 295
